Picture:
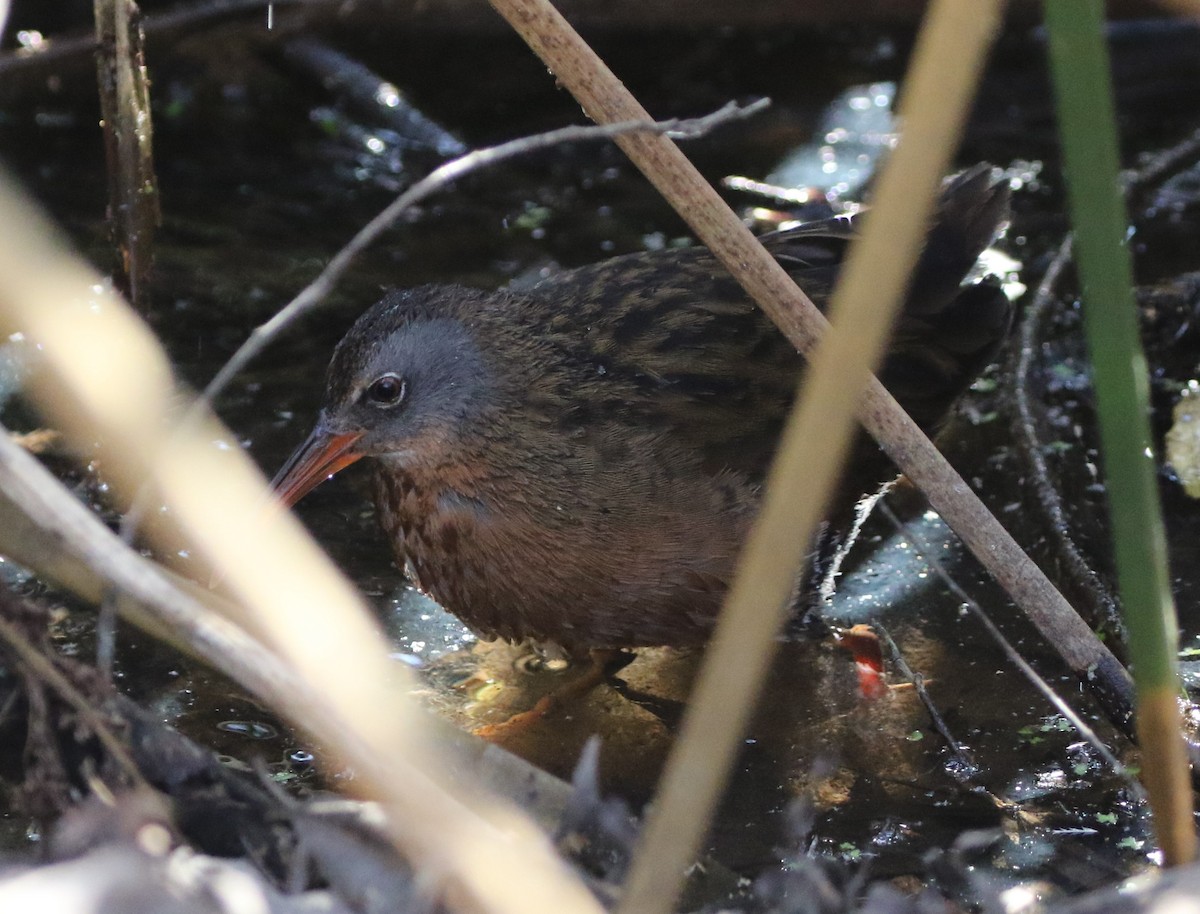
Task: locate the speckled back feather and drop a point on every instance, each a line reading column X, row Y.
column 580, row 461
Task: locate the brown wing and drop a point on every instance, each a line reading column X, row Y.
column 685, row 351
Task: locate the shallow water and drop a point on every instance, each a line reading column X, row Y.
column 261, row 183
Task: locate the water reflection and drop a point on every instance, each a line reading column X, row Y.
column 420, row 629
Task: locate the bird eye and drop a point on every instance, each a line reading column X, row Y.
column 385, row 391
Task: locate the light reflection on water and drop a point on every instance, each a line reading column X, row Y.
column 224, row 285
column 420, row 630
column 887, row 573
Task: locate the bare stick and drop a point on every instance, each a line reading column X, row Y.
column 41, row 668
column 605, row 99
column 126, row 120
column 966, row 763
column 439, row 179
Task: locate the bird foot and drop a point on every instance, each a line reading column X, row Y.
column 603, row 665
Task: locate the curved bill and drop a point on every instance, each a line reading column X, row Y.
column 317, row 459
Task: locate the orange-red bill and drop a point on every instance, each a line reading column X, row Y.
column 319, row 457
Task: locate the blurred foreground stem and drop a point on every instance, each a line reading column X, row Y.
column 1079, row 61
column 819, row 430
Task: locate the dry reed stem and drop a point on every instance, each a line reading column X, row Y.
column 604, row 98
column 103, row 376
column 128, row 140
column 937, row 93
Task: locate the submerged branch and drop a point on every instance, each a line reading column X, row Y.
column 133, row 210
column 1059, row 703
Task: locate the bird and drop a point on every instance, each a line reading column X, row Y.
column 577, row 464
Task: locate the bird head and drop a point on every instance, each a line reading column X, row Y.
column 402, row 386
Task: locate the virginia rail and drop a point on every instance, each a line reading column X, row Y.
column 579, row 463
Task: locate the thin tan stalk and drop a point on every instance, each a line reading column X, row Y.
column 733, row 667
column 604, row 99
column 1165, row 773
column 938, row 90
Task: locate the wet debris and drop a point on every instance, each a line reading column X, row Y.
column 368, row 95
column 598, row 833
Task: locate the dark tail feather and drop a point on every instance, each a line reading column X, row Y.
column 949, row 332
column 934, row 358
column 972, row 211
column 946, row 332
